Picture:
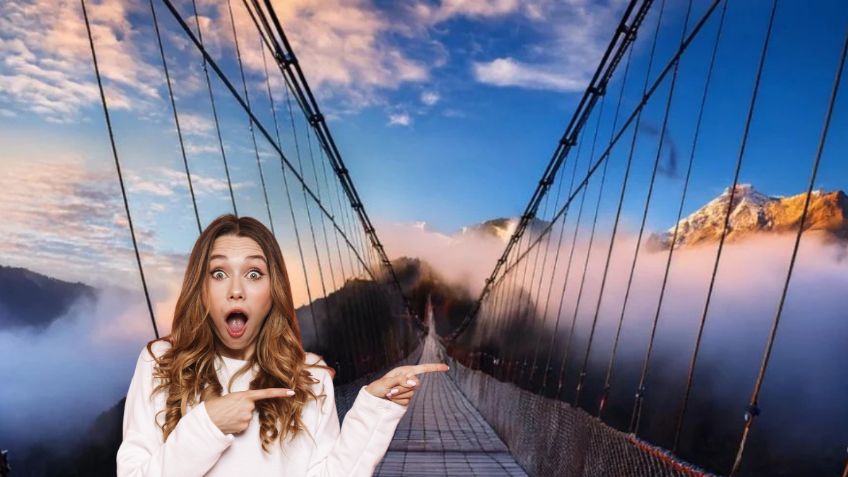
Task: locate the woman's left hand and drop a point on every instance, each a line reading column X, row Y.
column 399, row 384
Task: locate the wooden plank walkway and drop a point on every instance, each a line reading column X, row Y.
column 442, row 434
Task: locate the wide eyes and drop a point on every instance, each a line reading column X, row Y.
column 253, row 274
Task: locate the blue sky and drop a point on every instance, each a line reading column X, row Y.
column 445, row 112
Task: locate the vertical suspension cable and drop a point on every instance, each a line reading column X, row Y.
column 673, row 243
column 556, row 262
column 176, row 116
column 753, row 410
column 516, row 307
column 529, row 310
column 589, row 247
column 356, row 297
column 214, row 109
column 553, row 276
column 564, row 218
column 608, row 379
column 612, row 132
column 627, row 168
column 726, row 222
column 306, row 204
column 118, row 167
column 562, row 228
column 288, row 197
column 310, row 109
column 320, row 199
column 501, row 369
column 356, row 329
column 647, row 206
column 605, row 157
column 250, row 118
column 534, row 301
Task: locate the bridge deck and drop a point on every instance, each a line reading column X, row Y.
column 443, row 434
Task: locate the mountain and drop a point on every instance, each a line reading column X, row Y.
column 754, row 212
column 29, row 299
column 503, row 228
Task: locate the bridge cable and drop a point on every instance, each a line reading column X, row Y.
column 597, row 206
column 649, row 196
column 176, row 116
column 504, row 317
column 318, row 122
column 250, row 116
column 288, row 63
column 359, row 303
column 753, row 410
column 536, row 348
column 528, row 305
column 533, row 302
column 243, row 105
column 580, row 289
column 632, row 116
column 562, row 233
column 573, row 245
column 306, row 206
column 683, row 195
column 559, row 242
column 726, row 222
column 628, row 167
column 507, row 318
column 584, row 107
column 214, row 110
column 357, row 331
column 565, row 276
column 582, row 373
column 289, row 199
column 118, row 167
column 265, row 41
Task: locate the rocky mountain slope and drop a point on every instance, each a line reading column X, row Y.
column 753, row 212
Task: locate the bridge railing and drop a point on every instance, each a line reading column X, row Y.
column 647, row 331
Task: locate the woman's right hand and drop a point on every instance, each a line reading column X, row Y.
column 232, row 413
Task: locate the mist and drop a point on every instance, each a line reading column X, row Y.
column 801, row 429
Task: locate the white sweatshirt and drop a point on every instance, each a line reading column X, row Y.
column 197, row 447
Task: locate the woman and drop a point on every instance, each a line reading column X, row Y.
column 232, row 392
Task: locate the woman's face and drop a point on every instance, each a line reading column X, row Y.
column 237, row 293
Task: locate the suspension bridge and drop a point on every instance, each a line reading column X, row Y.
column 547, row 377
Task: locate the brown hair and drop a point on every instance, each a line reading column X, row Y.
column 186, row 371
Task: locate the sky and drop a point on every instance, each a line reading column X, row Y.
column 446, row 113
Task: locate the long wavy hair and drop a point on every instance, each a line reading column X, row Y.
column 186, row 371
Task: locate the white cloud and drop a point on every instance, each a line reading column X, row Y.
column 401, row 119
column 467, row 8
column 430, row 98
column 195, row 124
column 47, row 67
column 508, row 72
column 342, row 46
column 68, row 221
column 572, row 37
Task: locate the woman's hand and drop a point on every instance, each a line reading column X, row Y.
column 232, row 413
column 399, row 384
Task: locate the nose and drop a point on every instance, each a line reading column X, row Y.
column 235, row 292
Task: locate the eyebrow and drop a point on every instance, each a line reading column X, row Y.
column 250, row 257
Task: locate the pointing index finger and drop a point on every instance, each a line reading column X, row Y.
column 429, row 368
column 259, row 394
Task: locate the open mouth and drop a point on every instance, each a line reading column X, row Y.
column 236, row 324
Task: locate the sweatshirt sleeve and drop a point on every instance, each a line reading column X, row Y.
column 364, row 437
column 192, row 448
